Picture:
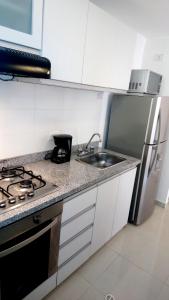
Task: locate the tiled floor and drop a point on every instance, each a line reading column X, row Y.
column 132, row 266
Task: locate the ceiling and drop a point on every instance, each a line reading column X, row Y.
column 149, row 17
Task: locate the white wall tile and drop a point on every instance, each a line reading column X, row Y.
column 30, row 114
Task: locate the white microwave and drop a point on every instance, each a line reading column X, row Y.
column 145, row 82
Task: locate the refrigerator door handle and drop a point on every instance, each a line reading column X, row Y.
column 159, row 118
column 158, row 161
column 159, row 128
column 154, row 160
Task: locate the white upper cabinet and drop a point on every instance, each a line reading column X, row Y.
column 109, row 50
column 65, row 24
column 21, row 22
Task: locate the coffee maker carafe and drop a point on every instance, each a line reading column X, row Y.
column 62, row 152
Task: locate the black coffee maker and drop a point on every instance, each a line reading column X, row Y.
column 62, row 152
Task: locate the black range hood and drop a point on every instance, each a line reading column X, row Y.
column 24, row 64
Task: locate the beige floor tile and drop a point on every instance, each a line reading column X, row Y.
column 167, row 281
column 164, row 295
column 71, row 289
column 150, row 254
column 127, row 282
column 97, row 264
column 92, row 294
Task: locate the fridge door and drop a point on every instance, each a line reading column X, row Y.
column 152, row 136
column 158, row 121
column 148, row 182
column 129, row 119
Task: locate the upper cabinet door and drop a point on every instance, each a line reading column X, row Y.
column 109, row 50
column 21, row 22
column 65, row 24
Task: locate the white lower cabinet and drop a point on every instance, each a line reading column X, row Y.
column 123, row 201
column 76, row 225
column 76, row 233
column 74, row 245
column 104, row 216
column 95, row 217
column 75, row 262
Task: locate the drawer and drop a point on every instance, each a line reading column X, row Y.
column 79, row 203
column 70, row 229
column 75, row 245
column 68, row 268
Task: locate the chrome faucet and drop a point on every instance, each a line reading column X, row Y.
column 95, row 134
column 86, row 150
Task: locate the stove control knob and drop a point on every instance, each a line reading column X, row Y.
column 30, row 194
column 22, row 197
column 12, row 200
column 2, row 204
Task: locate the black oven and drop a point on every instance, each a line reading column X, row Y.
column 29, row 252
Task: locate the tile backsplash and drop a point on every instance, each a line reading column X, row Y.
column 31, row 113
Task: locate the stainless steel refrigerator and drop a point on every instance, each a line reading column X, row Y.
column 138, row 127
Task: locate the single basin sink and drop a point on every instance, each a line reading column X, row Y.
column 102, row 160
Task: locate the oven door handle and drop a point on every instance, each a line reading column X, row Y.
column 29, row 240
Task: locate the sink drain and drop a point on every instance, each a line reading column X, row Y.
column 109, row 297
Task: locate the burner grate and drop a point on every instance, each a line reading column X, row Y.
column 19, row 186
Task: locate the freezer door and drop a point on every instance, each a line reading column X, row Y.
column 128, row 123
column 158, row 121
column 149, row 179
column 154, row 123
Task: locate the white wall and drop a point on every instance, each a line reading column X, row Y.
column 156, row 58
column 139, row 51
column 30, row 114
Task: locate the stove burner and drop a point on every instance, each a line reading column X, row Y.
column 19, row 186
column 8, row 173
column 26, row 184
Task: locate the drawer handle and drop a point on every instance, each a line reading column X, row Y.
column 74, row 255
column 78, row 215
column 76, row 236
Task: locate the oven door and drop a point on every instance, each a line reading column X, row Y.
column 29, row 259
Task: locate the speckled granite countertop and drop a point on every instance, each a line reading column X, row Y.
column 70, row 178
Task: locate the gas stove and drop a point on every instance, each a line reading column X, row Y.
column 19, row 186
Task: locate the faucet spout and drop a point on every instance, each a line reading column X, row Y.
column 89, row 142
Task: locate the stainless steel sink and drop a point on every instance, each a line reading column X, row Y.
column 102, row 160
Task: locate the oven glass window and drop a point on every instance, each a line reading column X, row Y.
column 25, row 269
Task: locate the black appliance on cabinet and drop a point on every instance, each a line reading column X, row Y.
column 23, row 64
column 62, row 152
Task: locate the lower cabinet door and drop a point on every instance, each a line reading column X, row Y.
column 70, row 229
column 104, row 216
column 74, row 245
column 123, row 202
column 73, row 263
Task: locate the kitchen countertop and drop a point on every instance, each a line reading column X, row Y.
column 71, row 178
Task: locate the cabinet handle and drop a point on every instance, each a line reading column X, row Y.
column 76, row 236
column 74, row 255
column 78, row 215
